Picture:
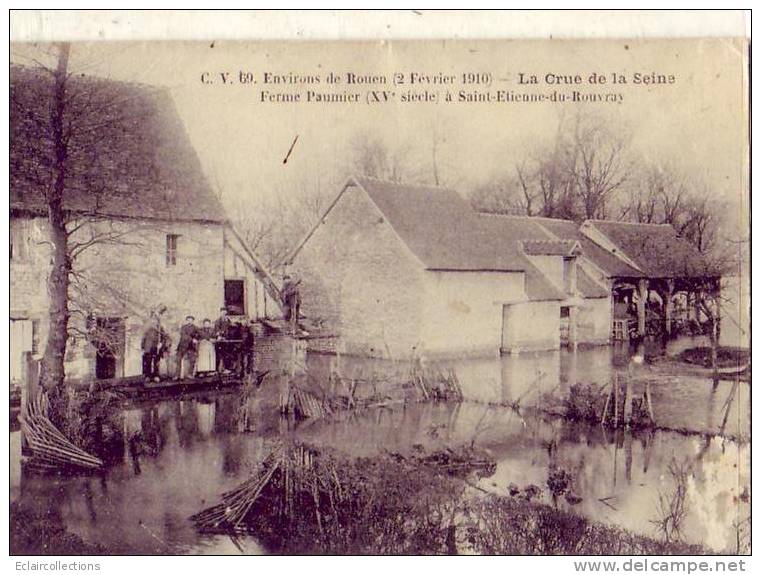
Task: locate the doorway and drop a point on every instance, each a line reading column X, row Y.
column 108, row 339
column 235, row 297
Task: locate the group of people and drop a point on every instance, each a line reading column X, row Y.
column 224, row 347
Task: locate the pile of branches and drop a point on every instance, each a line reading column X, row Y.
column 285, row 476
column 50, row 449
column 460, row 462
column 303, row 499
column 435, row 383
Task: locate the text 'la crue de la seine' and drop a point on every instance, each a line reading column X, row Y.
column 407, row 87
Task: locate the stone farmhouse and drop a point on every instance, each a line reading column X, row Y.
column 147, row 233
column 397, row 270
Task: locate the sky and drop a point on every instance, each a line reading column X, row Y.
column 697, row 123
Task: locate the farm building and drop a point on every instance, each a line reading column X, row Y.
column 397, row 270
column 145, row 229
column 639, row 263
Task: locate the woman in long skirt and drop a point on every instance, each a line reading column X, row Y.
column 207, row 358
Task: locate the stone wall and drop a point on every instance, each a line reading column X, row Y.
column 463, row 311
column 594, row 321
column 126, row 279
column 360, row 284
column 531, row 326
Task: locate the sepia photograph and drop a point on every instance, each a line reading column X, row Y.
column 458, row 295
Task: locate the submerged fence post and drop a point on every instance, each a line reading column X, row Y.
column 628, row 402
column 649, row 399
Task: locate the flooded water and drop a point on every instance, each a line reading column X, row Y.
column 191, row 450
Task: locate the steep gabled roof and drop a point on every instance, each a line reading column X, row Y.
column 655, row 248
column 609, row 263
column 588, row 287
column 130, row 155
column 440, row 228
column 444, row 232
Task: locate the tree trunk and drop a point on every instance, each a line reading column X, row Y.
column 715, row 352
column 52, row 370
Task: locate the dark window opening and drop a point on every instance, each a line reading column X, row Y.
column 171, row 249
column 565, row 311
column 235, row 300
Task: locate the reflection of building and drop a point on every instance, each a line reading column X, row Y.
column 150, row 230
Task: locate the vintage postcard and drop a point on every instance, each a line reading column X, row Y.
column 380, row 296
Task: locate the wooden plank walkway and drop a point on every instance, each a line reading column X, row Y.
column 138, row 386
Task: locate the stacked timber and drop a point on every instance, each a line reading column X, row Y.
column 50, row 449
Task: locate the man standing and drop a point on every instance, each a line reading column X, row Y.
column 291, row 301
column 221, row 329
column 186, row 348
column 248, row 348
column 150, row 344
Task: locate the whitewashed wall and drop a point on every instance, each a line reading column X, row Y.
column 463, row 310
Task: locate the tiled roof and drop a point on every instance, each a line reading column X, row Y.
column 588, row 287
column 440, row 228
column 539, row 288
column 655, row 248
column 565, row 248
column 609, row 263
column 444, row 233
column 131, row 156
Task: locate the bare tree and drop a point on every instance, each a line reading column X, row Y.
column 504, row 194
column 67, row 139
column 596, row 158
column 574, row 176
column 370, row 155
column 663, row 195
column 273, row 227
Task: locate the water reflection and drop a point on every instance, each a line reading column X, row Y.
column 179, row 456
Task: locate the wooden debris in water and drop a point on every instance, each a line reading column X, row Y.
column 51, row 450
column 296, row 482
column 435, row 383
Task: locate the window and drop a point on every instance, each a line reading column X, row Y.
column 565, row 311
column 18, row 242
column 235, row 300
column 171, row 249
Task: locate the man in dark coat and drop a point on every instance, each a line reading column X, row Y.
column 153, row 337
column 221, row 329
column 247, row 346
column 189, row 336
column 291, row 301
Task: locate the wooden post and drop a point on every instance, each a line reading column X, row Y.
column 615, row 401
column 573, row 317
column 629, row 456
column 649, row 399
column 667, row 305
column 30, row 385
column 628, row 402
column 641, row 307
column 717, row 310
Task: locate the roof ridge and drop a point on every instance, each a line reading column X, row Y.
column 81, row 75
column 627, row 223
column 524, row 217
column 404, row 184
column 549, row 240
